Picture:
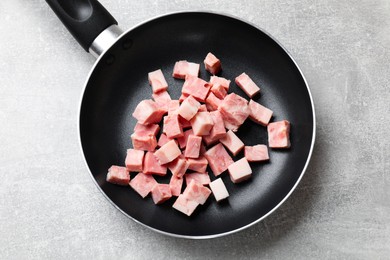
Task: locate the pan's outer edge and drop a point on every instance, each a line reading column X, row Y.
column 254, row 222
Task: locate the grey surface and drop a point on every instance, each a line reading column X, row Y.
column 50, row 208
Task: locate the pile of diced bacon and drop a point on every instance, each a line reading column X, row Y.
column 198, row 133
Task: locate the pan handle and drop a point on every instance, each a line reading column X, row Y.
column 88, row 21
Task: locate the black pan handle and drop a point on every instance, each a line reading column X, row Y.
column 85, row 19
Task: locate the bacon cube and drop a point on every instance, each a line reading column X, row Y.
column 193, row 146
column 247, row 85
column 134, row 160
column 118, row 175
column 219, row 189
column 218, row 158
column 202, row 123
column 232, row 142
column 185, row 124
column 163, row 140
column 184, row 68
column 148, row 112
column 161, row 193
column 183, row 140
column 185, row 205
column 144, row 141
column 218, row 131
column 178, row 167
column 219, row 80
column 161, row 97
column 202, row 108
column 175, row 184
column 196, row 87
column 259, row 114
column 234, row 110
column 151, row 129
column 188, row 108
column 240, row 171
column 256, row 153
column 212, row 64
column 157, row 81
column 168, row 152
column 198, row 164
column 173, row 107
column 196, row 192
column 212, row 102
column 171, row 127
column 199, row 177
column 279, row 134
column 182, row 97
column 143, row 184
column 152, row 166
column 218, row 90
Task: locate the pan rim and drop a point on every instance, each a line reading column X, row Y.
column 98, row 60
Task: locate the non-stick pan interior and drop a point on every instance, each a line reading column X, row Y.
column 119, row 82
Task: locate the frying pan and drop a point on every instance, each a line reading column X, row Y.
column 118, row 82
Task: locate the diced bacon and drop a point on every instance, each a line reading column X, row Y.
column 218, row 131
column 134, row 160
column 182, row 97
column 202, row 123
column 163, row 140
column 259, row 114
column 161, row 97
column 184, row 123
column 188, row 108
column 198, row 164
column 183, row 140
column 168, row 152
column 118, row 175
column 152, row 129
column 176, row 184
column 193, row 146
column 144, row 141
column 157, row 81
column 219, row 189
column 173, row 107
column 199, row 177
column 196, row 192
column 232, row 142
column 240, row 171
column 202, row 108
column 161, row 193
column 219, row 80
column 148, row 112
column 143, row 184
column 184, row 68
column 152, row 166
column 171, row 127
column 234, row 110
column 212, row 102
column 184, row 205
column 247, row 85
column 279, row 134
column 256, row 153
column 212, row 64
column 196, row 87
column 178, row 167
column 218, row 90
column 218, row 158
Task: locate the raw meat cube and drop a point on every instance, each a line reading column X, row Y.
column 256, row 153
column 171, row 127
column 185, row 205
column 161, row 193
column 178, row 167
column 184, row 123
column 143, row 184
column 219, row 90
column 148, row 112
column 202, row 108
column 144, row 141
column 232, row 142
column 198, row 164
column 218, row 158
column 157, row 81
column 240, row 170
column 183, row 140
column 152, row 166
column 173, row 107
column 219, row 189
column 200, row 177
column 161, row 97
column 196, row 87
column 247, row 85
column 218, row 131
column 212, row 64
column 219, row 80
column 196, row 192
column 152, row 129
column 279, row 134
column 118, row 175
column 259, row 114
column 163, row 140
column 193, row 146
column 189, row 108
column 184, row 68
column 168, row 152
column 175, row 184
column 212, row 102
column 234, row 110
column 202, row 123
column 134, row 160
column 182, row 97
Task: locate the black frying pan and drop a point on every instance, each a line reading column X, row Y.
column 118, row 82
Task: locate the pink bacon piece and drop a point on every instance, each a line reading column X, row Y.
column 168, row 152
column 232, row 142
column 240, row 171
column 202, row 123
column 152, row 166
column 157, row 81
column 219, row 91
column 143, row 184
column 259, row 114
column 198, row 164
column 247, row 85
column 212, row 102
column 178, row 167
column 118, row 175
column 234, row 110
column 152, row 129
column 184, row 68
column 196, row 87
column 256, row 153
column 218, row 158
column 144, row 141
column 219, row 189
column 193, row 146
column 161, row 193
column 219, row 80
column 185, row 205
column 188, row 108
column 196, row 192
column 183, row 140
column 218, row 131
column 212, row 64
column 172, row 127
column 134, row 160
column 175, row 184
column 199, row 177
column 148, row 112
column 279, row 134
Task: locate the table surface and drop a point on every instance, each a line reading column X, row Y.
column 50, row 208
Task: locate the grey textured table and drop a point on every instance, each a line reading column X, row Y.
column 50, row 208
